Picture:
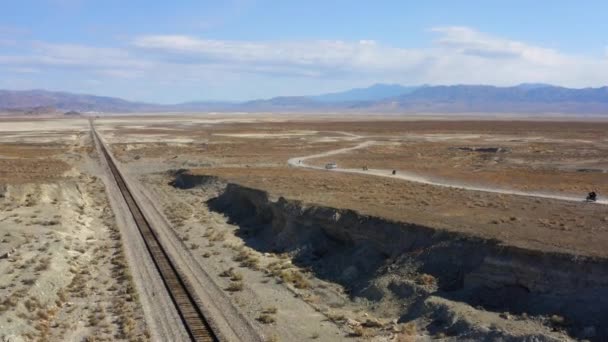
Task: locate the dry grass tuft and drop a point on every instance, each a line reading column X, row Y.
column 218, row 237
column 233, row 275
column 294, row 277
column 410, row 328
column 266, row 319
column 235, row 287
column 271, row 310
column 247, row 259
column 336, row 317
column 426, row 279
column 359, row 331
column 44, row 264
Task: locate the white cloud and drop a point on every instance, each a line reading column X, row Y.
column 82, row 55
column 467, row 41
column 314, row 56
column 109, row 62
column 458, row 55
column 75, row 56
column 469, row 56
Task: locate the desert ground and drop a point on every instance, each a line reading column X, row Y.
column 64, row 273
column 483, row 236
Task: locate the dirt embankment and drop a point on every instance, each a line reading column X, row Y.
column 447, row 282
column 525, row 222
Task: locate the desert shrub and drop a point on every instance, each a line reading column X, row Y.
column 270, row 310
column 359, row 331
column 265, row 319
column 247, row 259
column 336, row 317
column 426, row 279
column 294, row 277
column 235, row 287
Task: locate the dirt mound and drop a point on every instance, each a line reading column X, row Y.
column 417, row 272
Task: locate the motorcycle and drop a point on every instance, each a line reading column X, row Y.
column 591, row 197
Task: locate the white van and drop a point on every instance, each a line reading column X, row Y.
column 331, row 166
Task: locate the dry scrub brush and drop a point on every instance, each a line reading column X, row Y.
column 235, row 287
column 247, row 259
column 266, row 319
column 230, row 273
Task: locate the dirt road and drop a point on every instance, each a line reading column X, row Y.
column 407, row 176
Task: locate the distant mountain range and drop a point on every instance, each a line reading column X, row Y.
column 374, row 93
column 61, row 101
column 526, row 98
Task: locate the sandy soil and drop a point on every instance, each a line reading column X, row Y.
column 571, row 227
column 545, row 156
column 252, row 155
column 280, row 310
column 422, row 178
column 561, row 157
column 65, row 273
column 566, row 167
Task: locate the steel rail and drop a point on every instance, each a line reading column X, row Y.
column 177, row 286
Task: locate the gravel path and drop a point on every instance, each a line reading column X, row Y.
column 407, row 176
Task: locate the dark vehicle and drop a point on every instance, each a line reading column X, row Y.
column 591, row 197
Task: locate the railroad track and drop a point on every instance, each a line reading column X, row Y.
column 177, row 286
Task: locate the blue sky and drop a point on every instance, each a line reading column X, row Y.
column 244, row 49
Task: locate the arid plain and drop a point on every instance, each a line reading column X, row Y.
column 481, row 233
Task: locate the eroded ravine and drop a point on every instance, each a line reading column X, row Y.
column 446, row 283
